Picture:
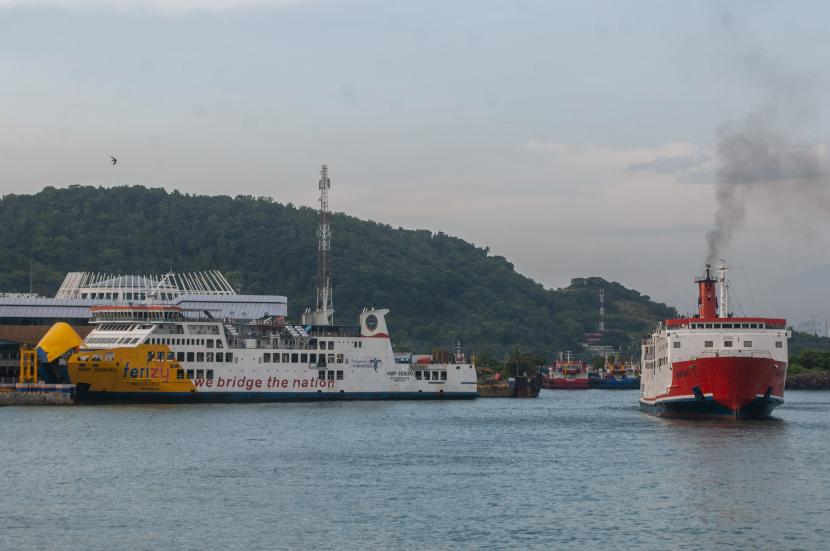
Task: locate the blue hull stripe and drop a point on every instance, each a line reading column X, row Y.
column 207, row 397
column 760, row 408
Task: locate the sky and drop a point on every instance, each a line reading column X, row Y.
column 573, row 138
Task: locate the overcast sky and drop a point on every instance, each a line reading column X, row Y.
column 573, row 138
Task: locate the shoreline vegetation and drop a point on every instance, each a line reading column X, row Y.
column 809, row 380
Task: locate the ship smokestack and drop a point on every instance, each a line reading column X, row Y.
column 707, row 301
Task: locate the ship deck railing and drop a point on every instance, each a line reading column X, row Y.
column 743, row 353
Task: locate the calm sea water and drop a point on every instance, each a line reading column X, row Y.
column 572, row 469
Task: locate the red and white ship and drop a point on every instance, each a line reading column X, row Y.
column 567, row 373
column 714, row 364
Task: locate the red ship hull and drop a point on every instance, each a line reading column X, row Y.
column 741, row 387
column 554, row 382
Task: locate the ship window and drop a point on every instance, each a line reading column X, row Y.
column 747, row 344
column 753, row 326
column 209, row 343
column 708, row 344
column 180, row 374
column 312, row 358
column 779, row 344
column 200, row 356
column 331, row 358
column 200, row 373
column 229, row 357
column 171, row 356
column 339, row 375
column 304, row 358
column 677, row 344
column 434, row 375
column 266, row 358
column 744, row 326
column 189, row 373
column 322, row 345
column 727, row 326
column 285, row 358
column 209, row 374
column 321, row 374
column 190, row 356
column 418, row 375
column 150, row 356
column 708, row 326
column 331, row 345
column 727, row 344
column 220, row 357
column 331, row 375
column 160, row 356
column 443, row 375
column 209, row 356
column 179, row 356
column 295, row 358
column 219, row 344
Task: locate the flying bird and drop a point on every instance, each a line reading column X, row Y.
column 113, row 160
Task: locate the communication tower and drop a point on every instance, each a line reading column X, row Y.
column 323, row 313
column 601, row 327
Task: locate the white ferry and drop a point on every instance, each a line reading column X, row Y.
column 155, row 351
column 161, row 353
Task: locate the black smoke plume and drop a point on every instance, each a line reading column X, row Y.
column 761, row 161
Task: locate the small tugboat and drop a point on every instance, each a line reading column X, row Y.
column 567, row 373
column 618, row 376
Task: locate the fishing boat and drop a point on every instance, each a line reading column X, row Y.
column 566, row 373
column 617, row 375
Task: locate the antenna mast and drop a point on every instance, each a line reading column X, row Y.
column 724, row 290
column 601, row 310
column 324, row 310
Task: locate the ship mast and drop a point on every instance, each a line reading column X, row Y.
column 323, row 313
column 724, row 291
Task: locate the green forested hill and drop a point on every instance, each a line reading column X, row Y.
column 439, row 288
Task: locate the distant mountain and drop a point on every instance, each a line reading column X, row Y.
column 439, row 288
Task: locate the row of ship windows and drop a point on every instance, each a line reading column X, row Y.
column 113, row 340
column 227, row 357
column 330, row 375
column 219, row 357
column 728, row 344
column 426, row 375
column 303, row 358
column 727, row 326
column 207, row 343
column 194, row 374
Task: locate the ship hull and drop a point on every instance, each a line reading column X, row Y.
column 624, row 383
column 570, row 384
column 739, row 387
column 99, row 397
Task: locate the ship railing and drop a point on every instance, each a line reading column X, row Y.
column 743, row 353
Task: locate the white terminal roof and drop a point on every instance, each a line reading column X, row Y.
column 228, row 306
column 201, row 291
